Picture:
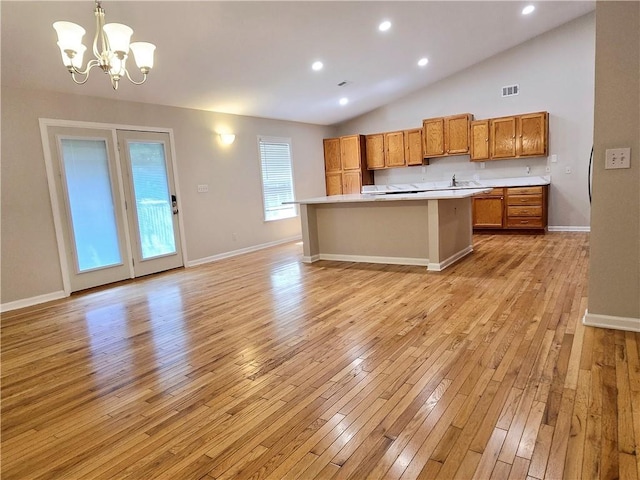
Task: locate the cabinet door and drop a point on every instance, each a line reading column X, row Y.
column 374, row 146
column 351, row 182
column 332, row 155
column 502, row 137
column 394, row 149
column 488, row 211
column 334, row 183
column 433, row 137
column 350, row 152
column 456, row 134
column 532, row 134
column 479, row 140
column 413, row 146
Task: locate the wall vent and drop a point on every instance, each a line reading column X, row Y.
column 510, row 90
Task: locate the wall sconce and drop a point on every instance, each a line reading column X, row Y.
column 227, row 138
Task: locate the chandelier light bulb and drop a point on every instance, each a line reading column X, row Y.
column 119, row 36
column 143, row 54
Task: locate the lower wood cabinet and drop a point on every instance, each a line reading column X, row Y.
column 488, row 209
column 508, row 208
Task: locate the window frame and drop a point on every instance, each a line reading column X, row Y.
column 291, row 208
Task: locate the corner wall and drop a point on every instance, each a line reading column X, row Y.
column 614, row 269
column 30, row 265
column 555, row 72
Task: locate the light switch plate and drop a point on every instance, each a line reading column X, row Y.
column 203, row 188
column 617, row 158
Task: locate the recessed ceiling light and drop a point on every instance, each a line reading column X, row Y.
column 528, row 9
column 344, row 101
column 423, row 61
column 384, row 26
column 317, row 65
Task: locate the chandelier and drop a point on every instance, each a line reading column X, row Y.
column 110, row 48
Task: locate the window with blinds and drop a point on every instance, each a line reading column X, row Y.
column 277, row 178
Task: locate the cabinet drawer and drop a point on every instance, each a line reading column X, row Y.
column 525, row 190
column 524, row 199
column 496, row 192
column 524, row 222
column 525, row 211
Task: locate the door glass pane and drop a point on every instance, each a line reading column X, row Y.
column 93, row 218
column 153, row 204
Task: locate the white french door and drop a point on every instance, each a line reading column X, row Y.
column 117, row 217
column 152, row 205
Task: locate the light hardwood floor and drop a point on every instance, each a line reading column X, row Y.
column 261, row 367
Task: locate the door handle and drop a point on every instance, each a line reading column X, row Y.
column 174, row 204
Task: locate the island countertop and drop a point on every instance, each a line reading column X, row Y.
column 428, row 195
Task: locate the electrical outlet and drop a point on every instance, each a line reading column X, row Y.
column 554, row 158
column 203, row 188
column 617, row 158
column 481, row 165
column 547, row 169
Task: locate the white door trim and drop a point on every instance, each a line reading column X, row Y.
column 45, row 123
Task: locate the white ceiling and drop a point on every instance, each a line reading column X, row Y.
column 254, row 58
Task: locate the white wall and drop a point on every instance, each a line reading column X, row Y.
column 555, row 72
column 30, row 264
column 614, row 266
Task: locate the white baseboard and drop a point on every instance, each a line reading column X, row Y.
column 438, row 267
column 311, row 259
column 560, row 228
column 234, row 253
column 608, row 321
column 28, row 302
column 422, row 262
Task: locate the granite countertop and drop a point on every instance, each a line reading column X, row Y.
column 429, row 195
column 427, row 190
column 516, row 182
column 460, row 185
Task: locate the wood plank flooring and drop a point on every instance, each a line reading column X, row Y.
column 261, row 367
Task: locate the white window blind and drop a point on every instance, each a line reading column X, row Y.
column 277, row 177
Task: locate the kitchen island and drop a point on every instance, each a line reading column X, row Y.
column 431, row 228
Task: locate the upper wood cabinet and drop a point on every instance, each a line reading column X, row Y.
column 503, row 137
column 433, row 137
column 533, row 131
column 351, row 152
column 479, row 147
column 394, row 149
column 374, row 146
column 446, row 135
column 413, row 147
column 332, row 155
column 345, row 165
column 518, row 136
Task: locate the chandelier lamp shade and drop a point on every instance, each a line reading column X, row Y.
column 110, row 49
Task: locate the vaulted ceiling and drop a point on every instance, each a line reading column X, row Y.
column 254, row 58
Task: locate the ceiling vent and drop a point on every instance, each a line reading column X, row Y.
column 510, row 90
column 344, row 83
